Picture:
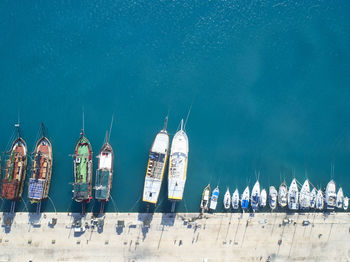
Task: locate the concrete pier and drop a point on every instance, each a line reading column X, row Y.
column 180, row 237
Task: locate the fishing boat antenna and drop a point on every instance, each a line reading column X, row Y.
column 42, row 129
column 17, row 125
column 110, row 128
column 82, row 130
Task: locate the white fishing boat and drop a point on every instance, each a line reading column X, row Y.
column 156, row 166
column 205, row 198
column 235, row 199
column 330, row 195
column 214, row 199
column 263, row 198
column 304, row 196
column 227, row 199
column 340, row 198
column 282, row 194
column 178, row 165
column 255, row 198
column 346, row 203
column 273, row 197
column 293, row 196
column 313, row 195
column 319, row 200
column 245, row 198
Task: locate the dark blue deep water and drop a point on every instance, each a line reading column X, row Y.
column 268, row 81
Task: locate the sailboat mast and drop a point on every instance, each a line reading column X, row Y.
column 165, row 123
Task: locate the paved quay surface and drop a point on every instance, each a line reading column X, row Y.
column 165, row 237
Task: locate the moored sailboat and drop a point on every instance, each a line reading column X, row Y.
column 263, row 198
column 245, row 199
column 346, row 203
column 235, row 199
column 227, row 199
column 273, row 197
column 319, row 200
column 313, row 195
column 340, row 198
column 293, row 196
column 304, row 197
column 156, row 166
column 214, row 199
column 330, row 195
column 178, row 165
column 16, row 168
column 39, row 182
column 282, row 194
column 255, row 198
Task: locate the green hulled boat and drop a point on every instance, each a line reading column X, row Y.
column 82, row 186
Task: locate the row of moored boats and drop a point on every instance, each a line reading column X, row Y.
column 293, row 198
column 41, row 170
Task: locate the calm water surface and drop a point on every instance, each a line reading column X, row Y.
column 268, row 81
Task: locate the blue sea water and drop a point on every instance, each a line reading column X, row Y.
column 268, row 81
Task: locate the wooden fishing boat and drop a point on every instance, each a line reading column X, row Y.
column 15, row 172
column 82, row 160
column 39, row 182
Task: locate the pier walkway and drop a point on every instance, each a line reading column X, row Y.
column 165, row 237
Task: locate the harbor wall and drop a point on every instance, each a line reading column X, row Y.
column 175, row 237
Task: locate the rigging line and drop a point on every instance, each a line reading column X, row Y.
column 188, row 115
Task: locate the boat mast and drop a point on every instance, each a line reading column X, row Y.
column 165, row 123
column 110, row 129
column 182, row 123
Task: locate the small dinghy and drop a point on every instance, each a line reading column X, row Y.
column 235, row 199
column 273, row 197
column 214, row 199
column 346, row 203
column 304, row 198
column 313, row 198
column 255, row 196
column 293, row 196
column 282, row 195
column 245, row 198
column 227, row 199
column 205, row 198
column 319, row 200
column 263, row 198
column 331, row 196
column 340, row 198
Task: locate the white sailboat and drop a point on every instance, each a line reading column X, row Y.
column 282, row 194
column 156, row 166
column 346, row 203
column 235, row 199
column 214, row 199
column 331, row 196
column 245, row 198
column 255, row 198
column 263, row 198
column 273, row 197
column 178, row 165
column 293, row 196
column 340, row 198
column 304, row 197
column 319, row 200
column 227, row 199
column 313, row 198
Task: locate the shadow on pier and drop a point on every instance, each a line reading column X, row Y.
column 7, row 221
